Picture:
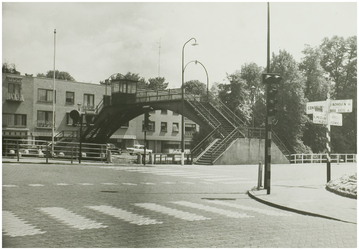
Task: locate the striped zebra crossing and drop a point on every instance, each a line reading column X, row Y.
column 70, row 218
column 220, row 211
column 14, row 226
column 171, row 211
column 125, row 215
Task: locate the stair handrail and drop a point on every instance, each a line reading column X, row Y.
column 225, row 140
column 205, row 141
column 229, row 112
column 280, row 145
column 99, row 106
column 212, row 124
column 207, row 112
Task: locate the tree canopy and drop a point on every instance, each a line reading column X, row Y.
column 61, row 75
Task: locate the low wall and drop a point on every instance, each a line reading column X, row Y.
column 250, row 151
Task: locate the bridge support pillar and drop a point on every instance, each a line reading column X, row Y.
column 182, row 158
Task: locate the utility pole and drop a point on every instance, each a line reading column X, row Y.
column 268, row 126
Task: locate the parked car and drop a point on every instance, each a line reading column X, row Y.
column 114, row 150
column 138, row 149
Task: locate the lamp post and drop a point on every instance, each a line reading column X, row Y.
column 182, row 120
column 195, row 61
column 53, row 101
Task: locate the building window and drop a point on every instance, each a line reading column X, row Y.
column 175, row 113
column 163, row 126
column 175, row 127
column 70, row 98
column 45, row 95
column 14, row 92
column 190, row 129
column 163, row 111
column 44, row 119
column 14, row 120
column 151, row 126
column 89, row 102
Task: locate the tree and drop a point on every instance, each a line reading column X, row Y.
column 317, row 88
column 141, row 82
column 291, row 118
column 339, row 60
column 195, row 87
column 61, row 75
column 157, row 83
column 251, row 73
column 9, row 68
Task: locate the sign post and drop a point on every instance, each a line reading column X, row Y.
column 329, row 113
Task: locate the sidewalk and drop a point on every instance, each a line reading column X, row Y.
column 308, row 198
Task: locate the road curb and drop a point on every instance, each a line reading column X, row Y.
column 283, row 207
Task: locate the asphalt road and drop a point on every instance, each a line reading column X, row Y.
column 70, row 206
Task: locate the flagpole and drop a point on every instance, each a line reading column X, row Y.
column 53, row 97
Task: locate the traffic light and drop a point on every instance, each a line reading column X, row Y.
column 272, row 81
column 147, row 117
column 75, row 116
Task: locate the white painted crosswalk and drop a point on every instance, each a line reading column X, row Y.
column 14, row 226
column 160, row 213
column 213, row 209
column 125, row 215
column 173, row 212
column 70, row 218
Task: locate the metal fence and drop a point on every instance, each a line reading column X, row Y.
column 322, row 158
column 70, row 151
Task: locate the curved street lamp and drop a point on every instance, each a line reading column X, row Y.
column 182, row 120
column 195, row 61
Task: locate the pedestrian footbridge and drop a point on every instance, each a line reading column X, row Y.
column 127, row 102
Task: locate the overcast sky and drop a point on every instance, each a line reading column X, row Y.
column 95, row 40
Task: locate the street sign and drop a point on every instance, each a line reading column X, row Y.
column 316, row 107
column 336, row 119
column 320, row 118
column 341, row 106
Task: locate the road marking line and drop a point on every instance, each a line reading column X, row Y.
column 125, row 215
column 36, row 185
column 63, row 184
column 212, row 209
column 129, row 184
column 108, row 183
column 13, row 226
column 71, row 219
column 148, row 183
column 10, row 186
column 172, row 212
column 258, row 210
column 168, row 182
column 86, row 184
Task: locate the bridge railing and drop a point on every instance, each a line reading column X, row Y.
column 197, row 150
column 322, row 158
